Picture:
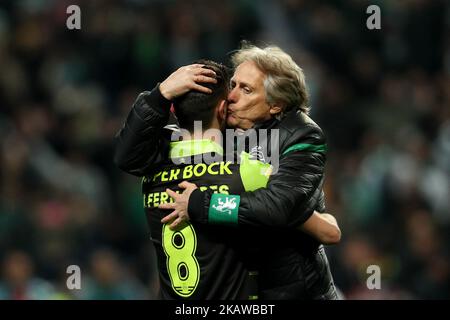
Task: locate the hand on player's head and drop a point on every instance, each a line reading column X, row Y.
column 187, row 78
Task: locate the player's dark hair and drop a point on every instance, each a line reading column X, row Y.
column 198, row 106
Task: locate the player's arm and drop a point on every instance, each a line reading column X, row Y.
column 140, row 143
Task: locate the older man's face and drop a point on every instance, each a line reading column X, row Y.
column 247, row 97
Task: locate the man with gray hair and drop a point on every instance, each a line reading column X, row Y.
column 283, row 82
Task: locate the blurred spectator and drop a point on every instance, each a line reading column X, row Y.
column 110, row 280
column 19, row 282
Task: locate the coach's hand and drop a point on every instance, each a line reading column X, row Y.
column 180, row 206
column 185, row 79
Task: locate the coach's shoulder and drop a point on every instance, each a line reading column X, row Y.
column 299, row 125
column 298, row 132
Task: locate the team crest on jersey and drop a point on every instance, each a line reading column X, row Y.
column 225, row 207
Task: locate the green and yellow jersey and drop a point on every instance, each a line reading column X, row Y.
column 204, row 261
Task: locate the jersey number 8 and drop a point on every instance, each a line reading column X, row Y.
column 182, row 266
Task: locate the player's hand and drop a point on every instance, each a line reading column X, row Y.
column 180, row 206
column 185, row 79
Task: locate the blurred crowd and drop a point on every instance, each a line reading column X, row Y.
column 381, row 96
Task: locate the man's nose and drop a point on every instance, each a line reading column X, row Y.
column 232, row 95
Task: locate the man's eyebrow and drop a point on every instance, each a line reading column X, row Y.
column 245, row 84
column 242, row 83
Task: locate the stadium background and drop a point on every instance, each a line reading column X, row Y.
column 382, row 97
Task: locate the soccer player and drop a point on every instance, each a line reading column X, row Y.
column 198, row 261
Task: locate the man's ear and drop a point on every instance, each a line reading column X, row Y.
column 222, row 110
column 275, row 109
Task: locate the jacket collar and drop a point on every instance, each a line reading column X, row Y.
column 266, row 124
